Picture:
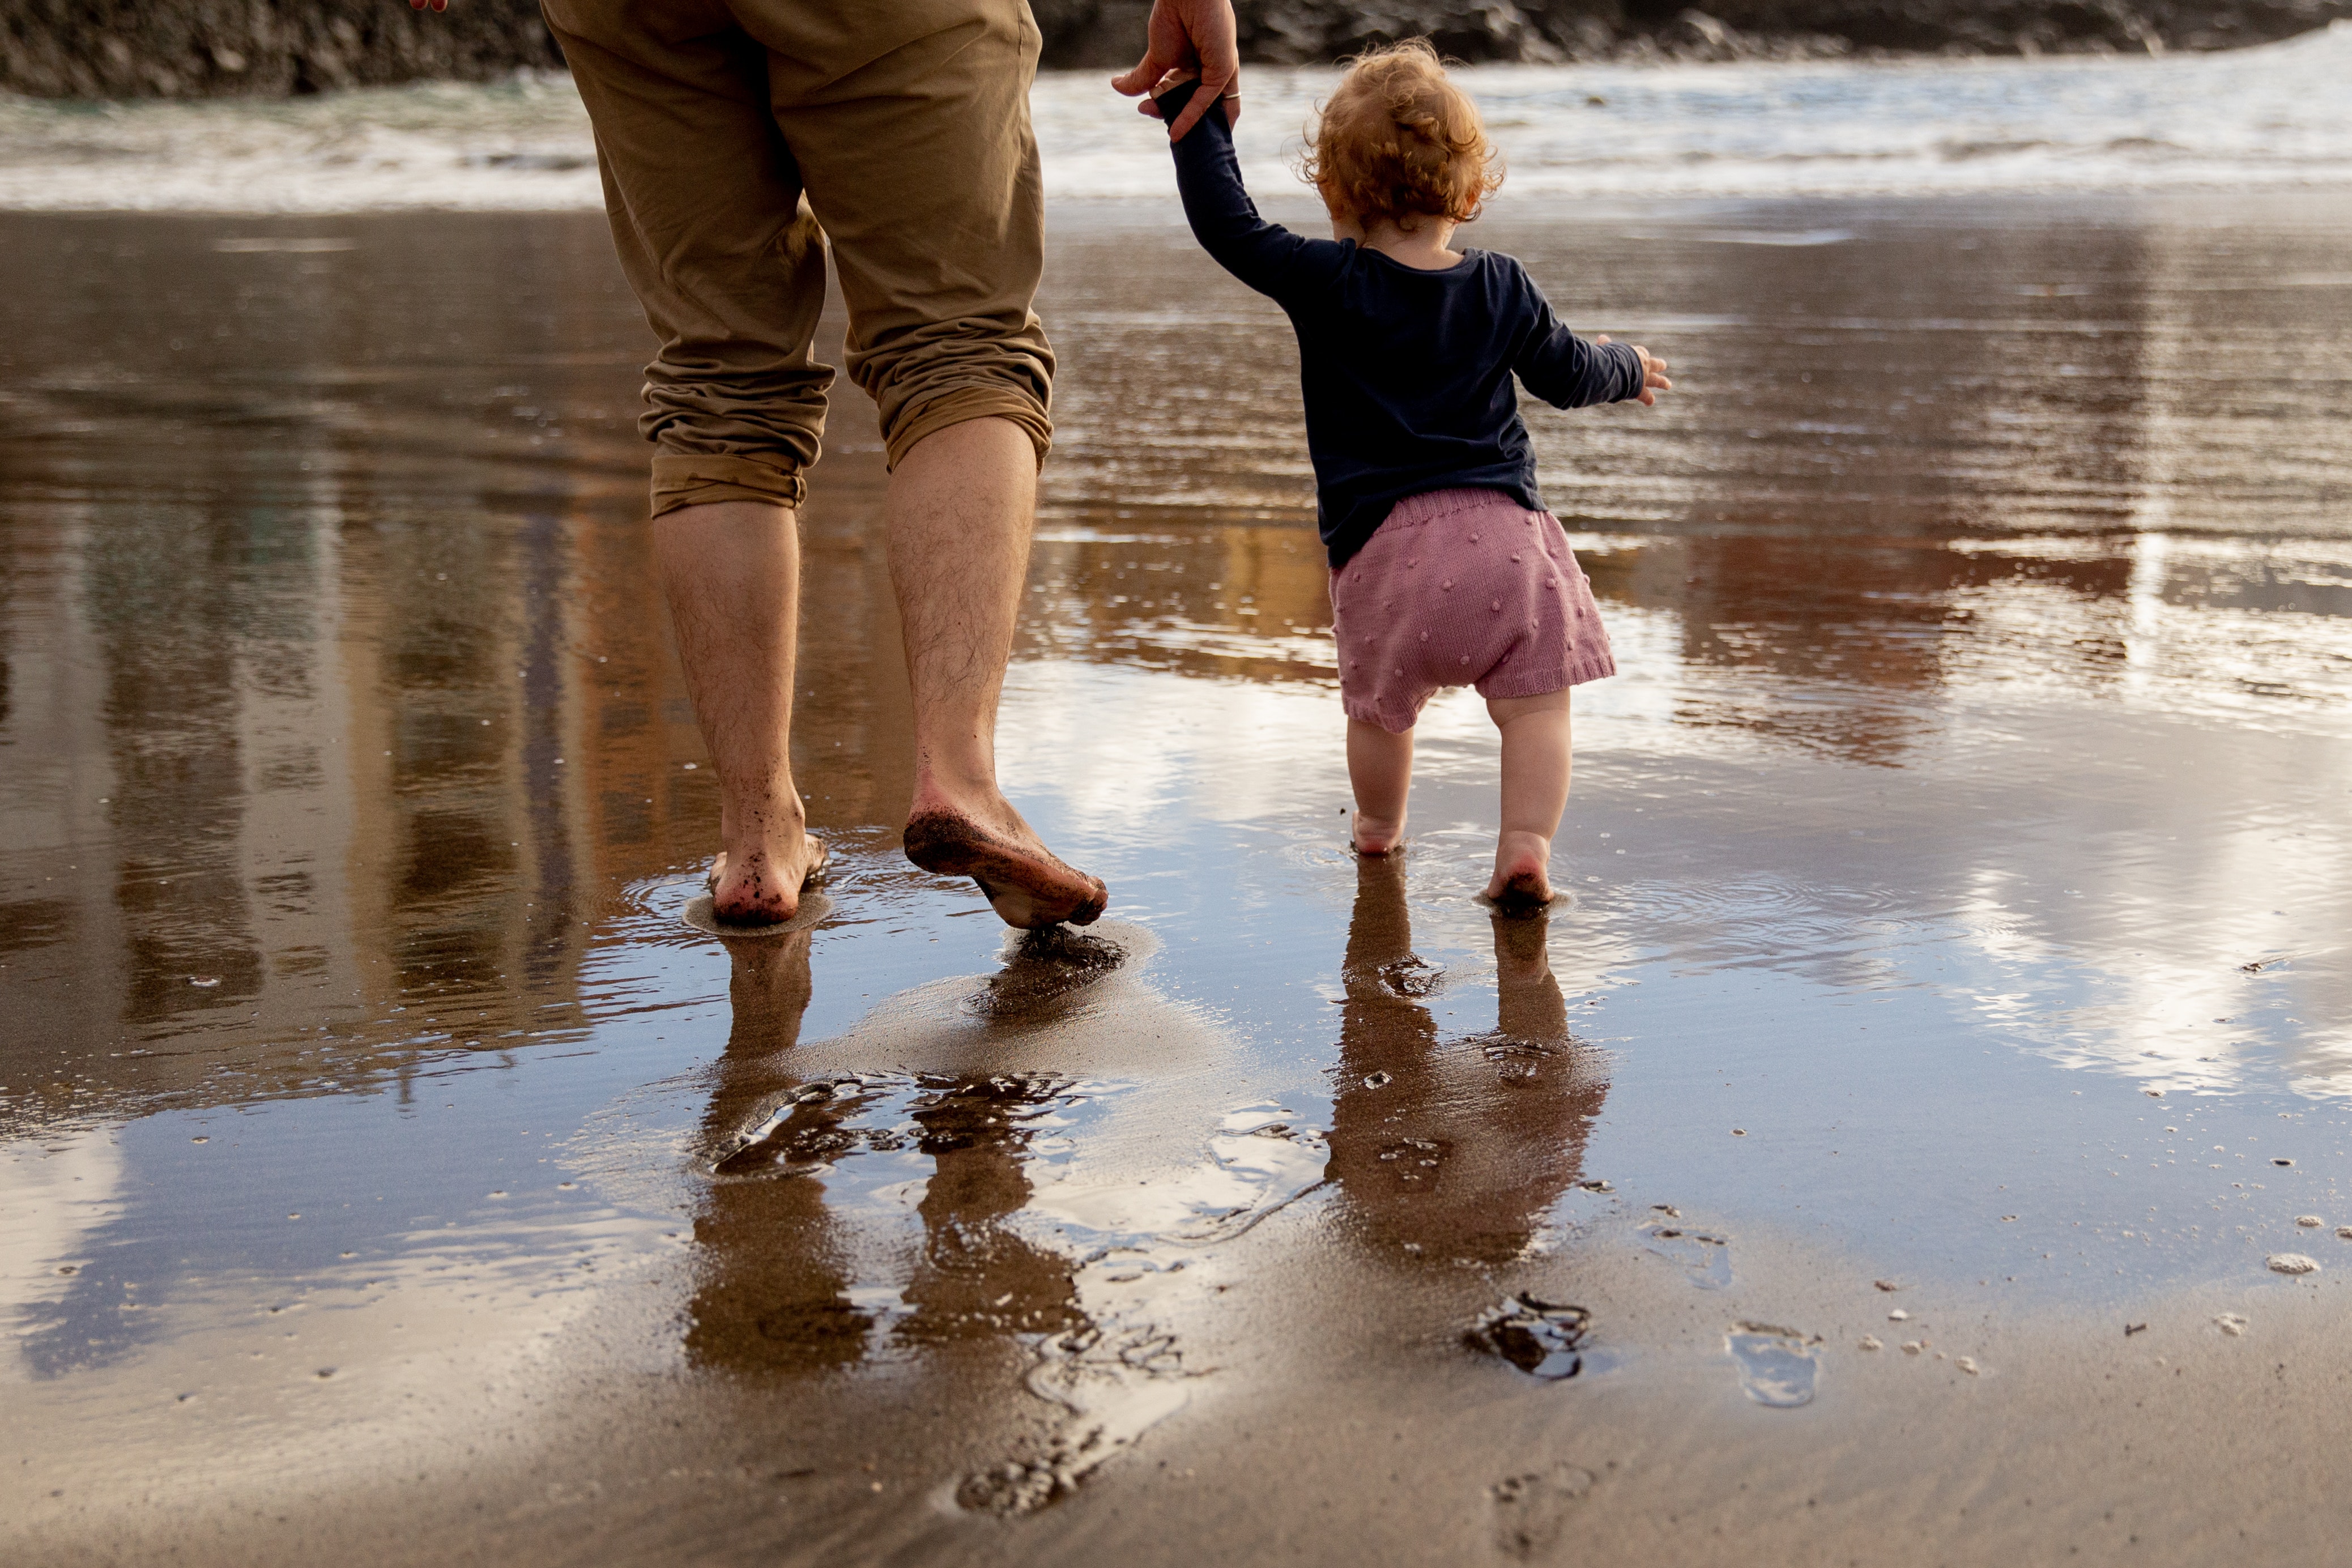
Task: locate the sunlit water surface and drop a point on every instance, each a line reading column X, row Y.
column 2262, row 117
column 1960, row 864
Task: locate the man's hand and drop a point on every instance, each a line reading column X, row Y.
column 1653, row 375
column 1188, row 36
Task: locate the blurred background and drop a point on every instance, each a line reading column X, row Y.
column 199, row 48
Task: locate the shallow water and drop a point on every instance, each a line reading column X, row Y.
column 2245, row 119
column 1984, row 600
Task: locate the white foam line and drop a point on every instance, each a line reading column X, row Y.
column 2275, row 117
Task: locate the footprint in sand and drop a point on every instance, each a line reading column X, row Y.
column 1044, row 972
column 1706, row 1258
column 1532, row 1511
column 1542, row 1339
column 1776, row 1364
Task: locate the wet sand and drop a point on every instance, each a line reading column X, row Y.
column 1959, row 872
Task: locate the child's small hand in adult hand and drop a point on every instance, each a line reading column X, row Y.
column 1653, row 376
column 1187, row 37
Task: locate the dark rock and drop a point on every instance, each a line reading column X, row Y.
column 1635, row 30
column 214, row 48
column 262, row 49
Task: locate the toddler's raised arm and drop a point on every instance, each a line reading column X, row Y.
column 1566, row 371
column 1267, row 256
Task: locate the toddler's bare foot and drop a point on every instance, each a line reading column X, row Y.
column 1024, row 881
column 763, row 889
column 1375, row 835
column 1522, row 879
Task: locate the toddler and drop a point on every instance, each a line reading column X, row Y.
column 1445, row 568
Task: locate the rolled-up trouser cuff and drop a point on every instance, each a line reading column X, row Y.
column 688, row 480
column 959, row 404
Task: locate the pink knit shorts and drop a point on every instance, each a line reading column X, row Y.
column 1463, row 588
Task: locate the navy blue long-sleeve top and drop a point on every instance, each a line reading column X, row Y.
column 1406, row 373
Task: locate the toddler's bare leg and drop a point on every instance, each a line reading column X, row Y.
column 1380, row 767
column 1535, row 794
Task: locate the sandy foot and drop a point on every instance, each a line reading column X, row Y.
column 1026, row 885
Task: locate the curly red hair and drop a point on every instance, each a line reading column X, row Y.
column 1398, row 140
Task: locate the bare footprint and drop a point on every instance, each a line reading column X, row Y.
column 1532, row 1511
column 1047, row 967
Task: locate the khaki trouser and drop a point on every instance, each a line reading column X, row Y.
column 730, row 130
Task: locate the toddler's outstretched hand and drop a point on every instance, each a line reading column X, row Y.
column 1653, row 375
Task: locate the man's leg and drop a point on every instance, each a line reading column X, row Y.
column 961, row 505
column 910, row 127
column 710, row 227
column 732, row 572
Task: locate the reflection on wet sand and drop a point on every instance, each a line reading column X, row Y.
column 337, row 720
column 1452, row 1150
column 1969, row 817
column 775, row 1290
column 855, row 1212
column 777, row 1275
column 975, row 1275
column 336, row 707
column 881, row 1199
column 336, row 769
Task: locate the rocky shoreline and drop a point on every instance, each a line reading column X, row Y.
column 272, row 49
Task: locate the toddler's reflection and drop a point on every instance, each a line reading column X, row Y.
column 1452, row 1148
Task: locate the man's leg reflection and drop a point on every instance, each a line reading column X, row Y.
column 1452, row 1148
column 977, row 1278
column 774, row 1292
column 778, row 1268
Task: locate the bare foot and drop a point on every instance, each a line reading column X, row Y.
column 1373, row 836
column 1522, row 879
column 761, row 892
column 1024, row 881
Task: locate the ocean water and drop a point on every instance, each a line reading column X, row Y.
column 2269, row 117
